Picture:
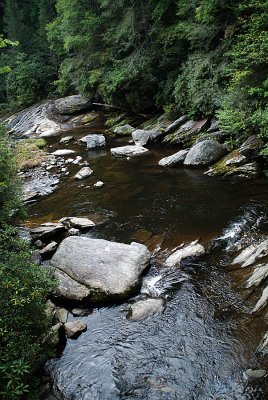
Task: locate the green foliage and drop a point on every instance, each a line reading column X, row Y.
column 23, row 287
column 23, row 322
column 9, row 192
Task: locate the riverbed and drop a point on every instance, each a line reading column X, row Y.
column 206, row 338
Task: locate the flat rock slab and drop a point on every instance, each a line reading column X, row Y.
column 62, row 152
column 47, row 230
column 77, row 222
column 128, row 151
column 93, row 141
column 175, row 159
column 98, row 270
column 83, row 173
column 194, row 249
column 145, row 308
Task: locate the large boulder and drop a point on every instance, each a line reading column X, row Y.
column 93, row 141
column 40, row 118
column 124, row 130
column 204, row 153
column 128, row 151
column 98, row 270
column 175, row 159
column 251, row 147
column 71, row 104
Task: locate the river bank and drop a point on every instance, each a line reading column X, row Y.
column 206, row 338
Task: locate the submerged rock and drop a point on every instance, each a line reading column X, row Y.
column 83, row 173
column 204, row 153
column 175, row 159
column 145, row 308
column 97, row 270
column 74, row 329
column 93, row 141
column 255, row 373
column 128, row 151
column 194, row 249
column 71, row 104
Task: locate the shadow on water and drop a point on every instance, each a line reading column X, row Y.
column 200, row 346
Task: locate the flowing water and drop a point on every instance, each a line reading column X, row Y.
column 206, row 338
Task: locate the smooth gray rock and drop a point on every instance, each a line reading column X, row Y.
column 124, row 130
column 175, row 159
column 194, row 249
column 71, row 104
column 62, row 152
column 128, row 151
column 93, row 141
column 75, row 328
column 204, row 153
column 145, row 308
column 97, row 270
column 83, row 173
column 47, row 230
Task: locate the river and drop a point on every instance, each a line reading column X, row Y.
column 206, row 338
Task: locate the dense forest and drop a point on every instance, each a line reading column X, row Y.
column 200, row 57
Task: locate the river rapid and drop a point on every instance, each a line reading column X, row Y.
column 201, row 345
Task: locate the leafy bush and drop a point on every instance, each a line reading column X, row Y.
column 23, row 287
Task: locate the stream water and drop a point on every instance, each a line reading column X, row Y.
column 206, row 338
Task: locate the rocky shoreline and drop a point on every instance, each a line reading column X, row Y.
column 92, row 272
